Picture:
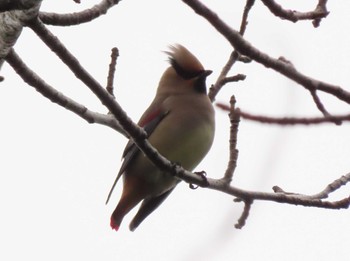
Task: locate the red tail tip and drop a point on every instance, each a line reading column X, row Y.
column 114, row 225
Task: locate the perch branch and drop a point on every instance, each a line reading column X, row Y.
column 139, row 137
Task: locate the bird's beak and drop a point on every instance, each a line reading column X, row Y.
column 206, row 73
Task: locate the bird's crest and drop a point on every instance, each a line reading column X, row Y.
column 184, row 62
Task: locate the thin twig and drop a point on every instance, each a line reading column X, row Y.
column 335, row 185
column 214, row 89
column 111, row 71
column 235, row 78
column 321, row 107
column 73, row 64
column 53, row 95
column 222, row 79
column 296, row 16
column 245, row 214
column 233, row 151
column 79, row 17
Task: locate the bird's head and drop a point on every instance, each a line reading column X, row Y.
column 185, row 75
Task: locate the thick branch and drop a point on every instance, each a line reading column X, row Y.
column 245, row 48
column 13, row 21
column 288, row 120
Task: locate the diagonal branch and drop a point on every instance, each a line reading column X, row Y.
column 234, row 57
column 245, row 48
column 295, row 16
column 56, row 97
column 321, row 107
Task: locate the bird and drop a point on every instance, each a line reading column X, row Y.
column 180, row 124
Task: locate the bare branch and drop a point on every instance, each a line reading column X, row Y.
column 233, row 156
column 79, row 17
column 214, row 89
column 222, row 79
column 8, row 5
column 249, row 4
column 53, row 95
column 295, row 16
column 245, row 48
column 335, row 185
column 235, row 78
column 288, row 120
column 243, row 218
column 321, row 107
column 111, row 71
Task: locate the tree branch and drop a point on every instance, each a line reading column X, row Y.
column 295, row 16
column 243, row 218
column 222, row 79
column 233, row 151
column 78, row 17
column 245, row 48
column 288, row 120
column 13, row 21
column 139, row 137
column 56, row 97
column 111, row 71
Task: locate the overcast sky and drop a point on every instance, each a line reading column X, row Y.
column 56, row 170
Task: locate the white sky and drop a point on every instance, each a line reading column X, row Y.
column 56, row 170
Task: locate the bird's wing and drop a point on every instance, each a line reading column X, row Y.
column 147, row 207
column 148, row 123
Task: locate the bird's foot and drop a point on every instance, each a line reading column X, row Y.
column 203, row 175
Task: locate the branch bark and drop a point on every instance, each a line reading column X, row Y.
column 139, row 137
column 53, row 95
column 279, row 65
column 295, row 16
column 78, row 17
column 12, row 22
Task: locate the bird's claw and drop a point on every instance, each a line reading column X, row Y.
column 203, row 175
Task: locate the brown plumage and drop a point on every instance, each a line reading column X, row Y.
column 180, row 125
